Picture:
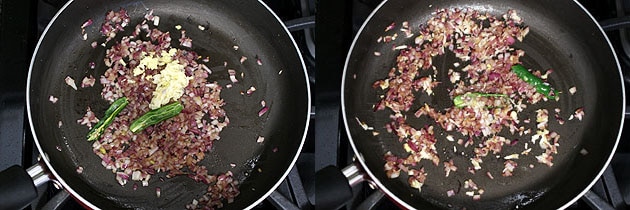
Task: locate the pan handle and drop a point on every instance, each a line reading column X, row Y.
column 334, row 187
column 38, row 174
column 18, row 187
column 353, row 174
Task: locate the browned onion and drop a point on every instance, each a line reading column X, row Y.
column 482, row 43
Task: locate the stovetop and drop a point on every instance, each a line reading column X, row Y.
column 21, row 23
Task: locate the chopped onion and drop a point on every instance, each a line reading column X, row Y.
column 156, row 20
column 88, row 81
column 87, row 23
column 450, row 193
column 489, row 175
column 263, row 111
column 251, row 90
column 363, row 124
column 449, row 166
column 232, row 74
column 476, row 197
column 205, row 68
column 136, row 175
column 53, row 99
column 70, row 82
column 184, row 40
column 400, row 47
column 579, row 113
column 88, row 118
column 122, row 178
column 511, row 157
column 450, row 138
column 390, row 26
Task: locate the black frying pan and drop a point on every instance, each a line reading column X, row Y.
column 563, row 37
column 251, row 25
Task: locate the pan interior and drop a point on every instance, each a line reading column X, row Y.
column 562, row 37
column 280, row 82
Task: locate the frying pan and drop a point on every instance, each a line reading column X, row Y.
column 563, row 37
column 281, row 81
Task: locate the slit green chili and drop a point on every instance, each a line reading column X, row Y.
column 110, row 114
column 156, row 116
column 541, row 87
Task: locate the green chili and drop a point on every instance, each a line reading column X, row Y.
column 156, row 116
column 110, row 114
column 541, row 87
column 469, row 99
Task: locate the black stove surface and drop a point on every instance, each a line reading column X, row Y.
column 21, row 23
